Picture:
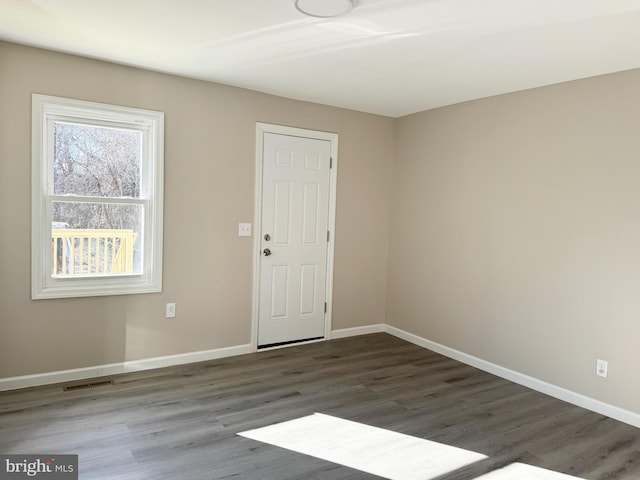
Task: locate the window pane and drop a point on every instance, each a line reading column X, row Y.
column 96, row 239
column 96, row 161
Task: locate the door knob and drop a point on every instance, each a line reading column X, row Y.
column 266, row 252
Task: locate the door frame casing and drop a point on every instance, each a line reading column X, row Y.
column 261, row 129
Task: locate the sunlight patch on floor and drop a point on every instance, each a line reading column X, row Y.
column 520, row 471
column 374, row 450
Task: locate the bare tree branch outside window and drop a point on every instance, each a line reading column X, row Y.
column 100, row 162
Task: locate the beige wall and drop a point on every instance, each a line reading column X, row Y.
column 515, row 232
column 209, row 186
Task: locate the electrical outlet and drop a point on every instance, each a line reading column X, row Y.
column 170, row 310
column 601, row 368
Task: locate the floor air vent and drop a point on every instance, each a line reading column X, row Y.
column 82, row 386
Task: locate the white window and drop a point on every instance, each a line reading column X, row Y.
column 97, row 179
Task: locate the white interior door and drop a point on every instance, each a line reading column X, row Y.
column 294, row 239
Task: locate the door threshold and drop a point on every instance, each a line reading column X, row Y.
column 289, row 343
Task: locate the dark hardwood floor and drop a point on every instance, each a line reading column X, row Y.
column 181, row 422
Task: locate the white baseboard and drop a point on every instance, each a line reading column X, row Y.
column 555, row 391
column 560, row 393
column 25, row 381
column 355, row 331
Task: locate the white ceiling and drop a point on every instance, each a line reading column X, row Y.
column 390, row 57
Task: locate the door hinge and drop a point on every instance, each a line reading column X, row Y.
column 330, row 163
column 328, row 236
column 325, row 307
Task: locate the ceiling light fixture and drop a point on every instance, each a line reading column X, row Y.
column 324, row 8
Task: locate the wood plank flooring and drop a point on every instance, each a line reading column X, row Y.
column 182, row 422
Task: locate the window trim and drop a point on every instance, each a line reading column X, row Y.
column 46, row 109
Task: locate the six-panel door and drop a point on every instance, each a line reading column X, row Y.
column 295, row 213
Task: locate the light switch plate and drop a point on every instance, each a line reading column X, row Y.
column 244, row 229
